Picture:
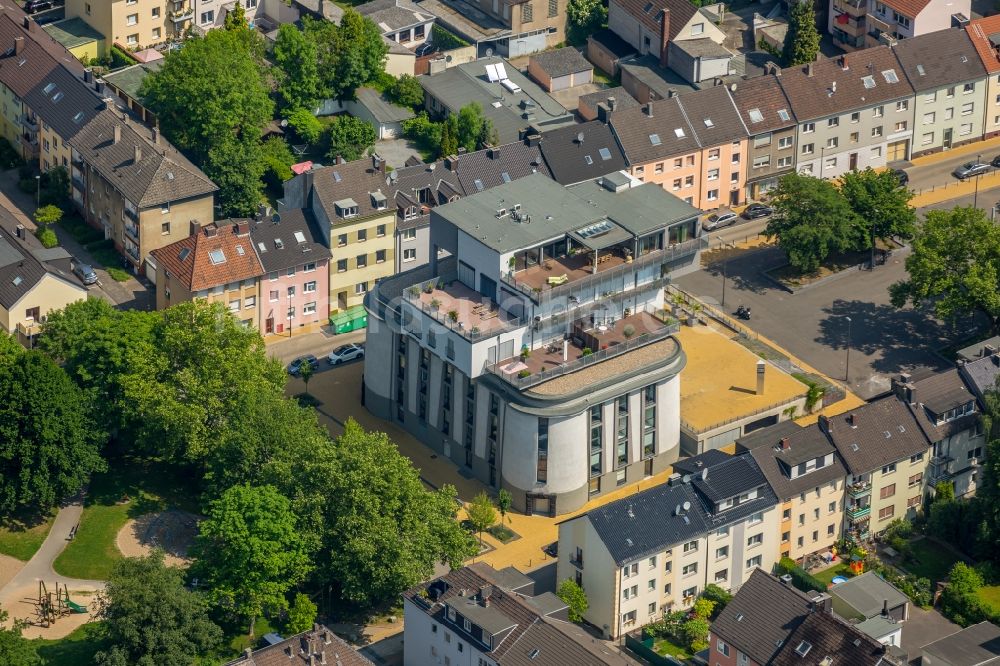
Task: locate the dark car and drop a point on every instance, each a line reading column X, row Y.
column 996, row 162
column 424, row 49
column 757, row 210
column 970, row 169
column 32, row 6
column 904, row 177
column 86, row 273
column 295, row 367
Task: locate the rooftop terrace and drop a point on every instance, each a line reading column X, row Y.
column 460, row 308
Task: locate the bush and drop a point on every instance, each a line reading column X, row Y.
column 120, row 58
column 9, row 157
column 118, row 275
column 406, row 91
column 719, row 596
column 445, row 40
column 800, row 577
column 47, row 237
column 307, row 126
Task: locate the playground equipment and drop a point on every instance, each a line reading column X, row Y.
column 53, row 605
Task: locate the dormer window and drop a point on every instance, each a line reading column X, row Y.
column 346, row 208
column 952, row 414
column 409, row 212
column 379, row 201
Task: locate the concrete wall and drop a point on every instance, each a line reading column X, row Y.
column 111, row 19
column 600, row 574
column 810, row 512
column 779, row 149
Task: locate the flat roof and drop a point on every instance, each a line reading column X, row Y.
column 130, row 78
column 718, row 382
column 72, row 33
column 973, row 646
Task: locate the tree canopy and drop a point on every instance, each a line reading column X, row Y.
column 15, row 649
column 296, row 59
column 811, row 220
column 350, row 137
column 880, row 201
column 586, row 14
column 49, row 444
column 406, row 91
column 574, row 597
column 349, row 54
column 955, row 265
column 802, row 39
column 150, row 618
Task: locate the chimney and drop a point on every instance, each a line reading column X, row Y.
column 195, row 228
column 18, row 43
column 156, row 135
column 211, row 230
column 770, row 68
column 671, row 92
column 823, row 423
column 136, row 154
column 492, row 152
column 29, row 25
column 989, row 350
column 242, row 227
column 612, row 102
column 664, row 37
column 885, row 608
column 109, row 103
column 649, row 108
column 248, row 654
column 843, row 63
column 784, row 444
column 88, row 76
column 674, row 479
column 99, row 86
column 603, row 112
column 809, row 69
column 761, row 370
column 532, row 140
column 451, row 162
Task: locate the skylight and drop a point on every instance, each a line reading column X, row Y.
column 588, row 159
column 336, row 176
column 869, row 81
column 709, row 123
column 78, row 117
column 647, row 8
column 890, row 76
column 605, row 153
column 679, row 132
column 17, row 281
column 803, row 648
column 593, row 230
column 278, row 243
column 300, row 237
column 239, row 250
column 755, row 115
column 655, row 139
column 183, row 254
column 783, row 114
column 479, row 185
column 49, row 87
column 505, row 176
column 261, row 247
column 217, row 257
column 920, row 70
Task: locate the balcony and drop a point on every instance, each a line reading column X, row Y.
column 29, row 122
column 860, row 489
column 856, row 8
column 576, row 560
column 461, row 309
column 132, row 230
column 587, row 348
column 78, row 183
column 131, row 214
column 587, row 269
column 181, row 15
column 856, row 513
column 849, row 25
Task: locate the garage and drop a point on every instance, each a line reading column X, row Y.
column 560, row 69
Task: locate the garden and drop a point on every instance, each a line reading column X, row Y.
column 681, row 634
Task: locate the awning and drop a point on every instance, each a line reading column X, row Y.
column 843, row 19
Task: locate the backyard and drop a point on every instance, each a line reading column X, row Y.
column 929, row 560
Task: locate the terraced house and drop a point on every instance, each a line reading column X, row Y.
column 985, row 35
column 767, row 115
column 857, row 24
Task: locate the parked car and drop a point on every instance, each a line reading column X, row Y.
column 86, row 273
column 295, row 367
column 345, row 353
column 719, row 220
column 756, row 210
column 424, row 49
column 904, row 177
column 32, row 6
column 970, row 169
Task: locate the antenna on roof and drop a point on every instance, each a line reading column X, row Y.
column 579, row 138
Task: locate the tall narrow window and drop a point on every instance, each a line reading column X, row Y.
column 596, row 439
column 649, row 421
column 542, row 465
column 621, row 447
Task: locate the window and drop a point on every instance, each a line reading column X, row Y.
column 309, row 287
column 886, row 512
column 900, row 126
column 913, row 501
column 362, row 260
column 697, row 28
column 406, row 234
column 713, row 174
column 927, row 138
column 290, row 272
column 652, row 608
column 379, row 256
column 273, row 296
column 930, row 98
column 234, row 305
column 208, row 17
column 362, row 235
column 690, row 569
column 889, row 469
column 691, row 547
column 713, row 195
column 553, row 10
column 156, row 33
column 929, row 118
column 950, row 92
column 689, row 593
column 914, row 480
column 87, row 8
column 132, row 19
column 689, row 181
column 713, row 154
column 132, row 40
column 808, row 127
column 361, row 288
column 631, row 592
column 754, row 561
column 877, row 131
column 877, row 112
column 856, row 117
column 542, row 462
column 784, row 162
column 341, row 265
column 876, row 151
column 784, row 142
column 832, row 142
column 830, row 163
column 628, row 619
column 621, row 430
column 808, row 149
column 830, row 529
column 949, row 113
column 722, row 648
column 620, row 477
column 630, row 570
column 903, row 105
column 855, row 137
column 755, row 540
column 721, row 553
column 657, row 169
column 410, row 254
column 676, row 184
column 527, row 13
column 964, row 129
column 833, row 122
column 309, row 308
column 914, row 459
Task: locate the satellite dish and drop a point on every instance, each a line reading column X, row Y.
column 276, row 218
column 687, row 506
column 489, row 52
column 447, row 58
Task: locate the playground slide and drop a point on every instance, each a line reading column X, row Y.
column 75, row 607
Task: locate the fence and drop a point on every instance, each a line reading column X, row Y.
column 644, row 648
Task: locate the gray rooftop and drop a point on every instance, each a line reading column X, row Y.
column 490, row 618
column 982, row 374
column 867, row 593
column 703, row 48
column 465, row 19
column 878, row 627
column 977, row 645
column 978, row 350
column 560, row 62
column 382, row 109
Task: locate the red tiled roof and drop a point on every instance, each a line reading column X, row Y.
column 980, row 31
column 197, row 264
column 908, row 7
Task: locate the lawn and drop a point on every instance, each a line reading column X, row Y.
column 77, row 648
column 21, row 537
column 81, row 232
column 827, row 575
column 243, row 641
column 990, row 596
column 929, row 560
column 128, row 490
column 663, row 645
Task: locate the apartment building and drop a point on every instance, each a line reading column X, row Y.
column 723, row 138
column 653, row 552
column 318, row 645
column 767, row 115
column 806, row 474
column 478, row 615
column 652, row 27
column 504, row 27
column 857, row 24
column 853, row 112
column 769, row 623
column 949, row 80
column 134, row 24
column 216, row 263
column 950, row 417
column 582, row 152
column 400, row 21
column 985, row 32
column 296, row 263
column 886, row 454
column 497, row 355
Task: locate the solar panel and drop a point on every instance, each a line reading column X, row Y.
column 755, row 115
column 501, row 71
column 655, row 139
column 605, row 153
column 593, row 230
column 491, row 73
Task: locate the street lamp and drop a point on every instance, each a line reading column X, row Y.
column 872, row 267
column 847, row 364
column 975, row 196
column 38, row 191
column 725, row 263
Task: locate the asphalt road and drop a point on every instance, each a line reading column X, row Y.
column 938, row 173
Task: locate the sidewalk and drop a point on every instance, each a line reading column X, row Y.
column 971, row 149
column 955, row 189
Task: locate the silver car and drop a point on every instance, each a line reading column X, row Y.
column 719, row 220
column 86, row 273
column 970, row 169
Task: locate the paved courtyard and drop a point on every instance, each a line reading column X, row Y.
column 813, row 324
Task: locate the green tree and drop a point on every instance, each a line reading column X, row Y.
column 695, row 633
column 960, row 601
column 15, row 649
column 296, row 58
column 306, row 373
column 718, row 596
column 48, row 214
column 944, row 491
column 150, row 618
column 449, row 137
column 586, row 14
column 237, row 167
column 504, row 500
column 384, row 531
column 811, row 221
column 470, row 126
column 424, row 132
column 350, row 137
column 481, row 514
column 954, row 264
column 703, row 607
column 278, row 159
column 406, row 91
column 209, row 93
column 48, row 442
column 881, row 204
column 236, row 18
column 488, row 135
column 305, row 124
column 55, row 186
column 574, row 597
column 301, row 615
column 802, row 39
column 249, row 553
column 350, row 54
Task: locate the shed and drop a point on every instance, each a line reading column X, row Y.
column 868, row 596
column 387, row 117
column 560, row 69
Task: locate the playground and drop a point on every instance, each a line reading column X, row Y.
column 172, row 531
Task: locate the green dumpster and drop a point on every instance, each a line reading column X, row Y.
column 351, row 319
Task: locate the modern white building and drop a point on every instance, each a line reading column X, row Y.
column 536, row 353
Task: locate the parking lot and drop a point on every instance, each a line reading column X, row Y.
column 813, row 323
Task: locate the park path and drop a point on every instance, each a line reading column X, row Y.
column 19, row 595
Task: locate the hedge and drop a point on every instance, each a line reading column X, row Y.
column 800, row 577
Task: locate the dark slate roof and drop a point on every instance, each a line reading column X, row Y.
column 612, row 43
column 938, row 59
column 277, row 242
column 713, row 116
column 814, row 96
column 646, row 69
column 572, row 160
column 488, row 166
column 936, row 394
column 765, row 96
column 694, row 464
column 561, row 62
column 648, row 13
column 524, row 636
column 357, row 181
column 319, row 643
column 982, row 373
column 766, row 436
column 635, row 130
column 804, row 444
column 761, row 616
column 977, row 645
column 876, row 434
column 828, row 636
column 20, row 272
column 646, row 522
column 729, row 478
column 978, row 350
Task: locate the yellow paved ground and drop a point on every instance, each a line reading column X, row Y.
column 972, row 149
column 955, row 189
